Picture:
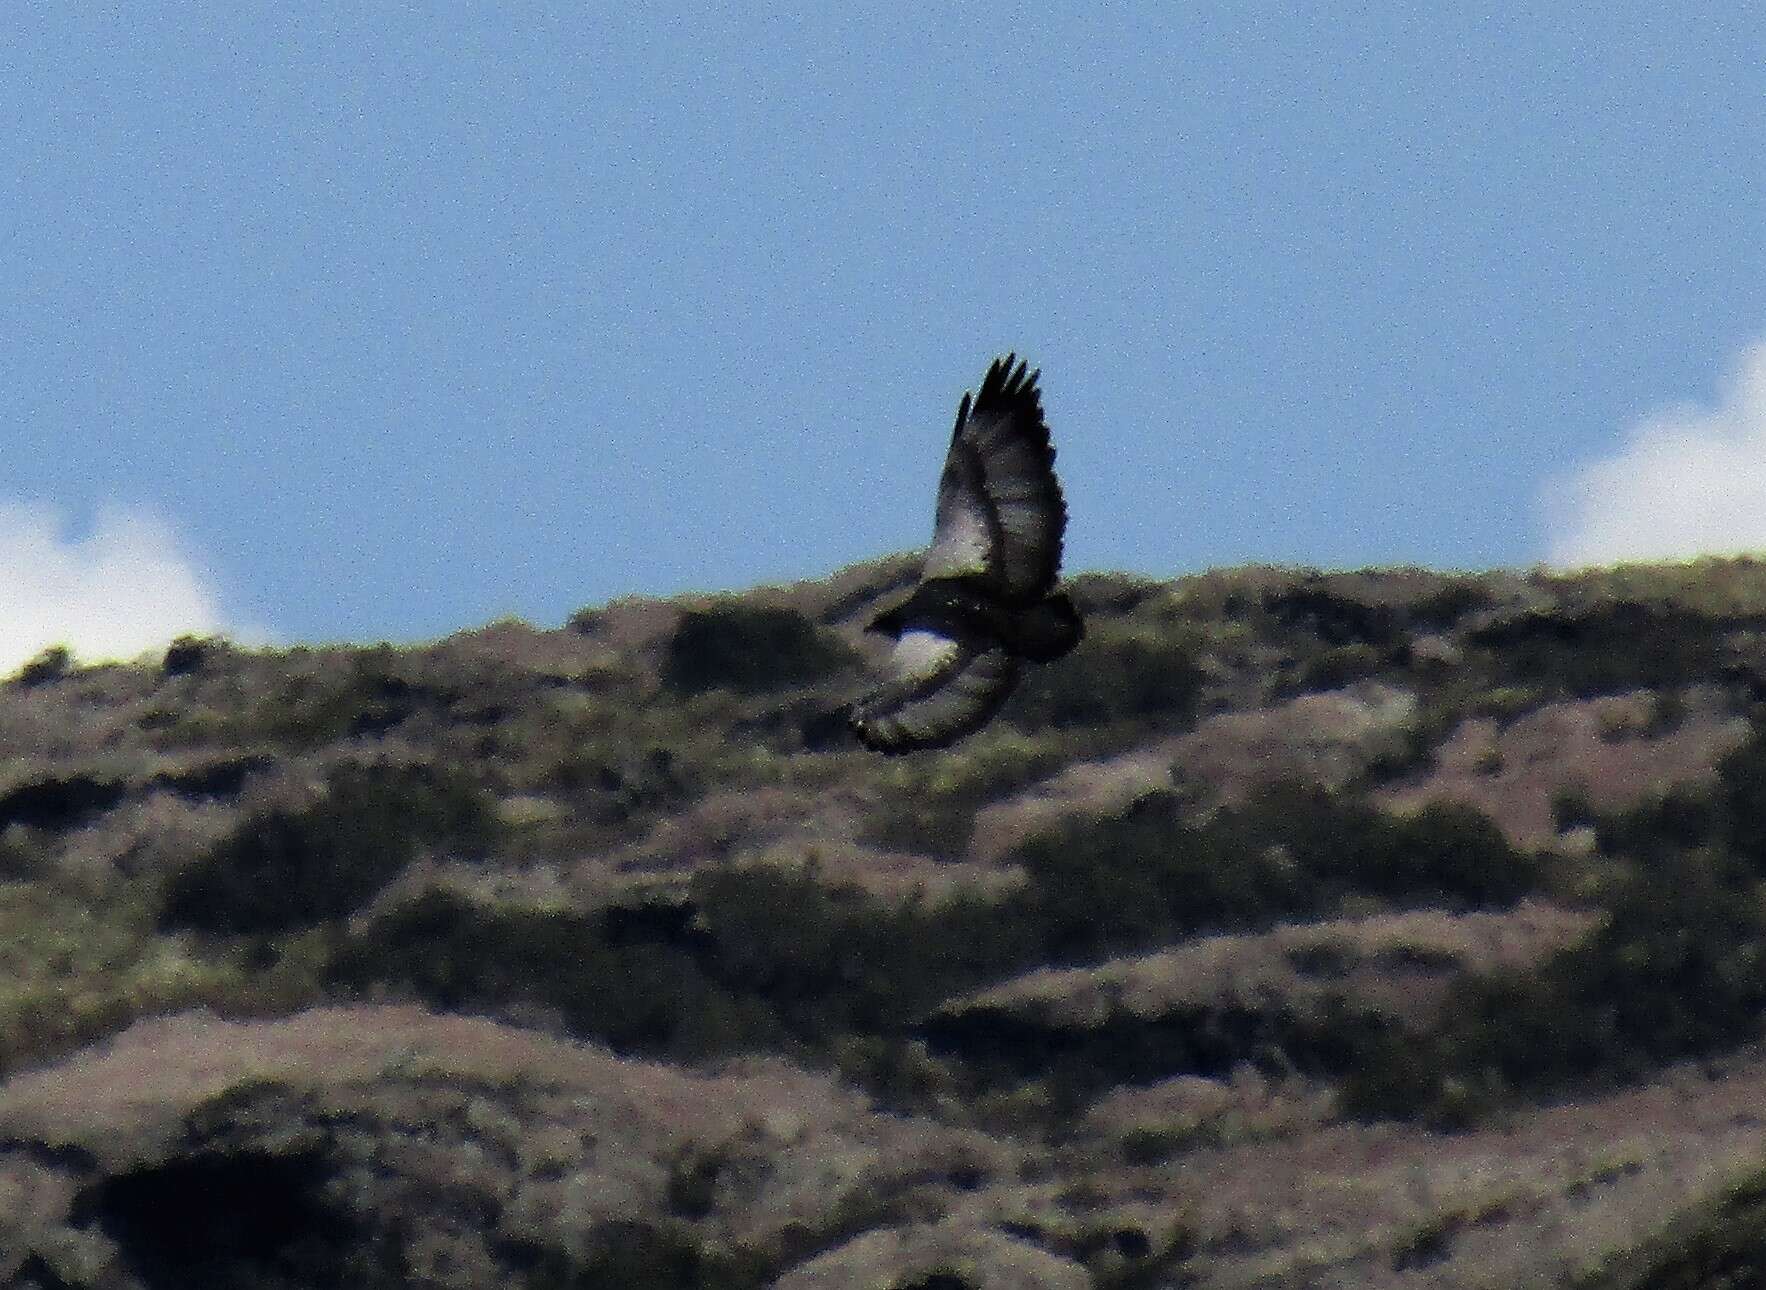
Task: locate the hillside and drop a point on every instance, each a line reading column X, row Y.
column 1387, row 928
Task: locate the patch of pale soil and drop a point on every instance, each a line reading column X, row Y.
column 785, row 827
column 973, row 1255
column 512, row 643
column 550, row 1140
column 1596, row 746
column 115, row 1095
column 1396, row 964
column 1550, row 1195
column 1190, row 1109
column 1326, row 739
column 1094, row 788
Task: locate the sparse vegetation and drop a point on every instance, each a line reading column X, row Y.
column 1676, row 970
column 285, row 869
column 930, row 807
column 616, row 812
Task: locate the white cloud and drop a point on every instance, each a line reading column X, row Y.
column 1685, row 482
column 127, row 588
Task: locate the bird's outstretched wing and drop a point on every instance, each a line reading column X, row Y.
column 940, row 690
column 1000, row 511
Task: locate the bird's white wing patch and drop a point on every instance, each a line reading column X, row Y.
column 965, row 533
column 940, row 691
column 921, row 655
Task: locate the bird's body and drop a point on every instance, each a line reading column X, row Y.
column 960, row 608
column 986, row 598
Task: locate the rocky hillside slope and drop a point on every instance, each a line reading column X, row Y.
column 1385, row 928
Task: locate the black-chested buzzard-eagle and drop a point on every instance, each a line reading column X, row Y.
column 986, row 599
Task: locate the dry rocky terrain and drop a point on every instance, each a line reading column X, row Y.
column 1389, row 928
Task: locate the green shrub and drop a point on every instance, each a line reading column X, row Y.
column 1571, row 809
column 610, row 786
column 1741, row 797
column 282, row 869
column 1685, row 817
column 930, row 807
column 52, row 664
column 831, row 960
column 1442, row 609
column 1110, row 677
column 759, row 958
column 1339, row 666
column 1606, row 648
column 1146, row 877
column 1727, row 815
column 1677, row 970
column 189, row 654
column 362, row 696
column 1336, row 619
column 667, row 1256
column 636, row 997
column 750, row 649
column 1446, row 854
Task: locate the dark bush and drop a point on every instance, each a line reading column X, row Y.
column 1446, row 854
column 1145, row 877
column 760, row 958
column 1400, row 1077
column 612, row 786
column 936, row 817
column 1442, row 609
column 282, row 869
column 1741, row 797
column 1685, row 817
column 62, row 802
column 1131, row 1047
column 229, row 1221
column 362, row 695
column 1677, row 971
column 643, row 1257
column 190, row 654
column 1571, row 809
column 1609, row 648
column 215, row 779
column 1728, row 815
column 830, row 959
column 1107, row 679
column 1335, row 619
column 1339, row 666
column 749, row 649
column 636, row 997
column 51, row 664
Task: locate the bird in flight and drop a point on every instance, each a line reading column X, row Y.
column 986, row 600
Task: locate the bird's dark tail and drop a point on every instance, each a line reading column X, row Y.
column 1049, row 629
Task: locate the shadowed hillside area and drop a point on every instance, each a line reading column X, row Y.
column 1382, row 928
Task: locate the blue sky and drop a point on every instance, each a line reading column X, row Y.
column 368, row 322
